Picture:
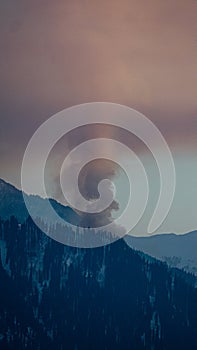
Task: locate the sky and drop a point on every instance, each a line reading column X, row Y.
column 143, row 54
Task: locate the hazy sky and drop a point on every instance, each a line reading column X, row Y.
column 55, row 54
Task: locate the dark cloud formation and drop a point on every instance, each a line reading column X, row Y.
column 89, row 179
column 90, row 176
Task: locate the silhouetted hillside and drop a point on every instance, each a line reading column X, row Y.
column 12, row 203
column 57, row 297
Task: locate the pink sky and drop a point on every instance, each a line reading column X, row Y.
column 56, row 54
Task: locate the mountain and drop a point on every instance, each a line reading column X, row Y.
column 12, row 203
column 58, row 297
column 177, row 250
column 113, row 297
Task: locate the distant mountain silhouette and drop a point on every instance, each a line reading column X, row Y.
column 177, row 250
column 12, row 203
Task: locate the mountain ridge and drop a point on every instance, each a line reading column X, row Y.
column 12, row 203
column 177, row 250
